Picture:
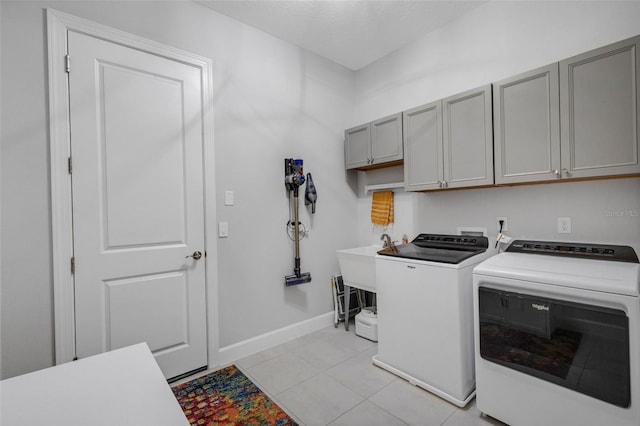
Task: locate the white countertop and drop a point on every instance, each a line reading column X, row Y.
column 118, row 388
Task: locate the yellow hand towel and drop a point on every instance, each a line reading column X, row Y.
column 382, row 207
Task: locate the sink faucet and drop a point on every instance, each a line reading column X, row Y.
column 387, row 241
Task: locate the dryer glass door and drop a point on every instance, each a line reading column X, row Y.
column 578, row 346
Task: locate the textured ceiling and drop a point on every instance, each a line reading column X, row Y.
column 353, row 33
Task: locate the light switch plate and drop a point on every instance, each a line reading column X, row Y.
column 223, row 229
column 228, row 198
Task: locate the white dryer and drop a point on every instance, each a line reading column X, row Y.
column 557, row 336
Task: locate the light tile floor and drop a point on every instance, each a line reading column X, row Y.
column 327, row 378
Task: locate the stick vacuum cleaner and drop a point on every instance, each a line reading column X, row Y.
column 293, row 179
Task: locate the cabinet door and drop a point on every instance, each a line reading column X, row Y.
column 526, row 114
column 423, row 147
column 357, row 144
column 468, row 139
column 599, row 115
column 386, row 139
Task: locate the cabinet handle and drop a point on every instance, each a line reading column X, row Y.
column 556, row 172
column 440, row 183
column 566, row 172
column 446, row 184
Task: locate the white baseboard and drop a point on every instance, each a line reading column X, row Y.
column 231, row 353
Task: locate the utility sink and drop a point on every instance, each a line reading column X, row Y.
column 358, row 266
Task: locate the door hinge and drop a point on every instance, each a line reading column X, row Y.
column 70, row 166
column 73, row 265
column 67, row 61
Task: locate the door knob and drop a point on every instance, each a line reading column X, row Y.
column 196, row 255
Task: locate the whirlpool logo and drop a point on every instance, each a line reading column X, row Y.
column 539, row 307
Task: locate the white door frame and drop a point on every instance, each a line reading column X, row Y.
column 58, row 24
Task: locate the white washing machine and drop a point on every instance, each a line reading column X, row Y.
column 557, row 336
column 425, row 306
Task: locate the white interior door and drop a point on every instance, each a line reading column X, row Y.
column 137, row 182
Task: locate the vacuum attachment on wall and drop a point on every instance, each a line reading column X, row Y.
column 293, row 179
column 310, row 194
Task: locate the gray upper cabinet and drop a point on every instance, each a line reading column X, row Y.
column 526, row 114
column 386, row 139
column 357, row 146
column 468, row 139
column 599, row 115
column 423, row 164
column 576, row 119
column 449, row 143
column 374, row 144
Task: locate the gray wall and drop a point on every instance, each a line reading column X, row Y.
column 604, row 211
column 272, row 100
column 494, row 41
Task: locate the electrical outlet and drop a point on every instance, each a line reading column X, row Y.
column 564, row 225
column 505, row 226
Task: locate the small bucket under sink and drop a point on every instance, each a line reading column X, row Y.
column 367, row 324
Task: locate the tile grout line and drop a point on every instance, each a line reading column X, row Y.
column 273, row 397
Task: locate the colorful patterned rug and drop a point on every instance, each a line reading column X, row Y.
column 227, row 397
